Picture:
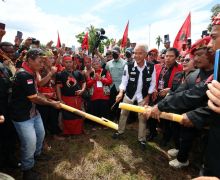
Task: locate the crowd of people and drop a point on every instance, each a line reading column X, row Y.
column 34, row 81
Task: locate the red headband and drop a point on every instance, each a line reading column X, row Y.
column 216, row 20
column 201, row 43
column 67, row 58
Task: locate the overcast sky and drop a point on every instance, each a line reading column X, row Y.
column 42, row 18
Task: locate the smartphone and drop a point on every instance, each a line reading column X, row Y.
column 19, row 34
column 2, row 26
column 217, row 66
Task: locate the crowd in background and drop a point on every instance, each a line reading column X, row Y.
column 34, row 80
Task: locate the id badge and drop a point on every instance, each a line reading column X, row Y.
column 161, row 85
column 99, row 84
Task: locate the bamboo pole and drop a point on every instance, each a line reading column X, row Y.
column 168, row 116
column 91, row 117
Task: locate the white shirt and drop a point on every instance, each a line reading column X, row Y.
column 138, row 94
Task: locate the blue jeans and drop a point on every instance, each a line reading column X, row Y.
column 31, row 134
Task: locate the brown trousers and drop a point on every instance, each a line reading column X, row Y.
column 142, row 122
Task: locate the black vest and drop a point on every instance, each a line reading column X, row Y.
column 133, row 79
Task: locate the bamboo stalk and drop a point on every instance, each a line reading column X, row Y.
column 168, row 116
column 91, row 117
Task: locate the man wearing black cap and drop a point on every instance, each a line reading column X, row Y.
column 167, row 41
column 128, row 55
column 26, row 118
column 116, row 69
column 166, row 44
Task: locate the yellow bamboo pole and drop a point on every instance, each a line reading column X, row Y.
column 91, row 117
column 169, row 116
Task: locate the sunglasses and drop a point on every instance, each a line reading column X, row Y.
column 186, row 60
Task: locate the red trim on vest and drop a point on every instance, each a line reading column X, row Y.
column 175, row 69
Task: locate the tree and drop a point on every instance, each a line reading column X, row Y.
column 93, row 39
column 80, row 37
column 158, row 41
column 215, row 10
column 128, row 43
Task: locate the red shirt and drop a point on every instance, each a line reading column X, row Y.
column 98, row 92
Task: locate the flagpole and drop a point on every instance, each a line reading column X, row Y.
column 149, row 35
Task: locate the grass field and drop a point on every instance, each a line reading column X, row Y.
column 95, row 155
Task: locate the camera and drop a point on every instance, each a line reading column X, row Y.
column 100, row 35
column 35, row 41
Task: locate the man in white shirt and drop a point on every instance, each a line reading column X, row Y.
column 138, row 83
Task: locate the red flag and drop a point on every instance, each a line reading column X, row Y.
column 183, row 34
column 125, row 37
column 85, row 43
column 58, row 41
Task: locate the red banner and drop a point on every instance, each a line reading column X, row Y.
column 183, row 34
column 125, row 37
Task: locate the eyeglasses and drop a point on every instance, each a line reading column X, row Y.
column 186, row 60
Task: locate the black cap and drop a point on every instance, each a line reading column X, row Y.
column 116, row 49
column 129, row 50
column 34, row 53
column 5, row 44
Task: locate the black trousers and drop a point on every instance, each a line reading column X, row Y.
column 152, row 125
column 175, row 127
column 187, row 136
column 115, row 112
column 8, row 139
column 49, row 116
column 100, row 108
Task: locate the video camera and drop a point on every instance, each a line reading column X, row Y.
column 100, row 35
column 35, row 41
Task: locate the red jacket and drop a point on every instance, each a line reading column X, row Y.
column 176, row 69
column 98, row 91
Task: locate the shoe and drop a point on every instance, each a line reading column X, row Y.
column 143, row 145
column 118, row 135
column 31, row 175
column 176, row 164
column 43, row 157
column 173, row 152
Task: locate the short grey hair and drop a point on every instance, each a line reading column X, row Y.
column 143, row 46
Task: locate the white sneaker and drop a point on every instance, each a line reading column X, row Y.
column 173, row 152
column 176, row 164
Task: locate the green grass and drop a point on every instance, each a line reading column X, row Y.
column 95, row 155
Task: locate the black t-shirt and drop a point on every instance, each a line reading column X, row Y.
column 70, row 81
column 24, row 85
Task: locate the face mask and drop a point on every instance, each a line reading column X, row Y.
column 115, row 55
column 128, row 55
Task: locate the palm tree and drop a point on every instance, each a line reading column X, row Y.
column 158, row 41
